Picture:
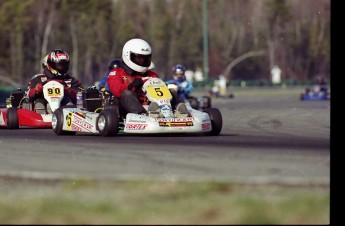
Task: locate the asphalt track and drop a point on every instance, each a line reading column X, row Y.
column 268, row 136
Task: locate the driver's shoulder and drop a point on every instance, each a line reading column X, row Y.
column 38, row 78
column 38, row 75
column 151, row 73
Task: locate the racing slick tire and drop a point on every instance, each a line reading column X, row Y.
column 216, row 120
column 194, row 103
column 107, row 122
column 12, row 121
column 58, row 121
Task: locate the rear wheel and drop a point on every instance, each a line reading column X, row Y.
column 108, row 122
column 216, row 121
column 12, row 121
column 58, row 121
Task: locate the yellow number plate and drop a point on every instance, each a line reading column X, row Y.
column 54, row 91
column 159, row 92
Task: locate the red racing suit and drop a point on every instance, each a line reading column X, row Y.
column 118, row 81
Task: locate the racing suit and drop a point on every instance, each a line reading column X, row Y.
column 71, row 84
column 185, row 88
column 120, row 82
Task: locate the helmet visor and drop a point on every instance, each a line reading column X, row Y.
column 140, row 59
column 62, row 67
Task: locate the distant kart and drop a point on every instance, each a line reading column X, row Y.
column 198, row 103
column 315, row 93
column 20, row 112
column 105, row 117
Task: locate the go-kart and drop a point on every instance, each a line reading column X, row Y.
column 198, row 103
column 109, row 120
column 21, row 112
column 315, row 93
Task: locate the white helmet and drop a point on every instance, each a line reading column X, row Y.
column 136, row 54
column 152, row 66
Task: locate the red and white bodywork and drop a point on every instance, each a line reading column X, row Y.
column 53, row 93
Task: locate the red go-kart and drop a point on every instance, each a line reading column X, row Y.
column 21, row 112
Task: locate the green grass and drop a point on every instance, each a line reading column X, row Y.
column 24, row 201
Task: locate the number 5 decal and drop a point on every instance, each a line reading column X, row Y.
column 158, row 92
column 69, row 120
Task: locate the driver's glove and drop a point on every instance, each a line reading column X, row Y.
column 137, row 83
column 39, row 88
column 67, row 90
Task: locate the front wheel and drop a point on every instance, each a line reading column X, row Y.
column 108, row 122
column 58, row 121
column 12, row 121
column 216, row 121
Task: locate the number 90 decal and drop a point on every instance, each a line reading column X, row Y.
column 54, row 91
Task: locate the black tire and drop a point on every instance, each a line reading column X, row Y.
column 216, row 120
column 194, row 103
column 16, row 97
column 58, row 121
column 107, row 122
column 12, row 121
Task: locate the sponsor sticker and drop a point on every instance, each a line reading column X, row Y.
column 206, row 126
column 175, row 124
column 82, row 115
column 82, row 123
column 174, row 119
column 136, row 126
column 2, row 121
column 112, row 73
column 77, row 122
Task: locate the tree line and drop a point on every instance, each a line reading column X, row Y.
column 293, row 34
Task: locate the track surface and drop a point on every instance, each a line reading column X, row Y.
column 268, row 136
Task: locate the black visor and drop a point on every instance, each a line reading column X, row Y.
column 140, row 59
column 62, row 67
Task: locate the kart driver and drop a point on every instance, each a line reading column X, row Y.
column 103, row 82
column 321, row 82
column 185, row 87
column 126, row 82
column 55, row 67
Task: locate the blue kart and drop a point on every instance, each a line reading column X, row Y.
column 315, row 93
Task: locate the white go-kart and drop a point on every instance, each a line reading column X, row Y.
column 109, row 122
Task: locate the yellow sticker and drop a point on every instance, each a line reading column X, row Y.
column 159, row 92
column 69, row 120
column 54, row 91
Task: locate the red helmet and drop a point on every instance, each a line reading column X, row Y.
column 58, row 62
